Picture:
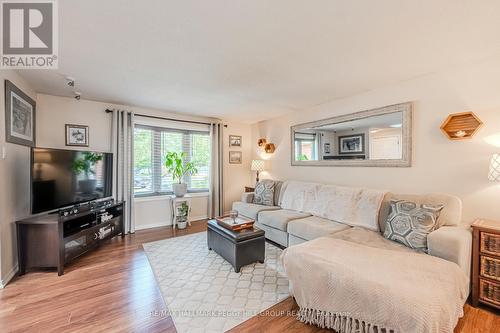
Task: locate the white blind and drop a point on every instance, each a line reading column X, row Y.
column 152, row 143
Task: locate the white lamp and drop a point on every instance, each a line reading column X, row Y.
column 257, row 165
column 494, row 174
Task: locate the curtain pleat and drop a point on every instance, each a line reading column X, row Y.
column 215, row 200
column 123, row 156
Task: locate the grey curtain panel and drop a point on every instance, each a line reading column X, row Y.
column 123, row 164
column 215, row 200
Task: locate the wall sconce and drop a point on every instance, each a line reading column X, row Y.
column 261, row 142
column 269, row 148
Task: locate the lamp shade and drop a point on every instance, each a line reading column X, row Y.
column 257, row 165
column 494, row 174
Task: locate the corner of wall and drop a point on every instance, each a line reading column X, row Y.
column 14, row 171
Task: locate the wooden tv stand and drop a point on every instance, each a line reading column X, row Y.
column 54, row 240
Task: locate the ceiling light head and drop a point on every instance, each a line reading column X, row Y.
column 78, row 95
column 70, row 81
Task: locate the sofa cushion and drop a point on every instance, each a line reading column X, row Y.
column 251, row 210
column 264, row 193
column 279, row 219
column 410, row 223
column 369, row 238
column 313, row 227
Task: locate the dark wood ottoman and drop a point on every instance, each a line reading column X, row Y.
column 239, row 248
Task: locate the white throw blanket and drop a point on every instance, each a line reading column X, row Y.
column 347, row 205
column 351, row 288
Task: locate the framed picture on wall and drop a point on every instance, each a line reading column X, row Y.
column 234, row 141
column 326, row 148
column 352, row 144
column 235, row 157
column 19, row 116
column 77, row 135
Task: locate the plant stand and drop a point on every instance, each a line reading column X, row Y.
column 181, row 210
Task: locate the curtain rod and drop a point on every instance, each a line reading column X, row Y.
column 165, row 118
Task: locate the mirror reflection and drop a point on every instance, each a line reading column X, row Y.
column 366, row 136
column 373, row 138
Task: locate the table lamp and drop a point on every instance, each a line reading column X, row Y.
column 258, row 166
column 494, row 174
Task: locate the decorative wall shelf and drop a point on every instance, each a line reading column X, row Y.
column 459, row 126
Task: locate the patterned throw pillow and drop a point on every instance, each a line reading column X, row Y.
column 264, row 193
column 410, row 224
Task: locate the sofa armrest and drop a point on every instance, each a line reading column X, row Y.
column 247, row 197
column 452, row 244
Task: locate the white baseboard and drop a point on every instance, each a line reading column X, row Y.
column 197, row 218
column 153, row 225
column 9, row 276
column 168, row 223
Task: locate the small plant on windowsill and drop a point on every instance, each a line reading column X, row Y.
column 174, row 162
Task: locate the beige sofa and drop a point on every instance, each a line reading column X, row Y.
column 452, row 241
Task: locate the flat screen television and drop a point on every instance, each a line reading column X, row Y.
column 61, row 178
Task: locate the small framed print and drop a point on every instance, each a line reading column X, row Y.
column 19, row 116
column 327, row 148
column 77, row 135
column 235, row 157
column 234, row 141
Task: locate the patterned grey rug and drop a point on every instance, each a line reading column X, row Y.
column 201, row 289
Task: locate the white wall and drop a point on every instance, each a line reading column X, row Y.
column 14, row 184
column 156, row 212
column 439, row 165
column 237, row 176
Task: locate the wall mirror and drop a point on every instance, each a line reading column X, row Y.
column 375, row 138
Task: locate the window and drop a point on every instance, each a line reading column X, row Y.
column 151, row 145
column 305, row 147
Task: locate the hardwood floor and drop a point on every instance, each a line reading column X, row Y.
column 113, row 290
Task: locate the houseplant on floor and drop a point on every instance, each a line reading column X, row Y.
column 182, row 215
column 174, row 162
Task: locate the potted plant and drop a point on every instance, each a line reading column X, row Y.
column 176, row 166
column 85, row 165
column 182, row 217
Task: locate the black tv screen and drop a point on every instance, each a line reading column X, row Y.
column 61, row 178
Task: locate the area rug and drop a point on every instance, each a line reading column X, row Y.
column 202, row 291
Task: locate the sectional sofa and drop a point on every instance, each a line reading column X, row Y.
column 288, row 227
column 348, row 275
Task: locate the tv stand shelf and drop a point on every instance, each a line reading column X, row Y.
column 52, row 240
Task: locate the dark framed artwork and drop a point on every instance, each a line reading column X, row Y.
column 235, row 141
column 20, row 116
column 352, row 144
column 77, row 135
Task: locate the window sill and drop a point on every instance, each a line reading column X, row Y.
column 170, row 196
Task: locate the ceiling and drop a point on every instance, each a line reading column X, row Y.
column 259, row 59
